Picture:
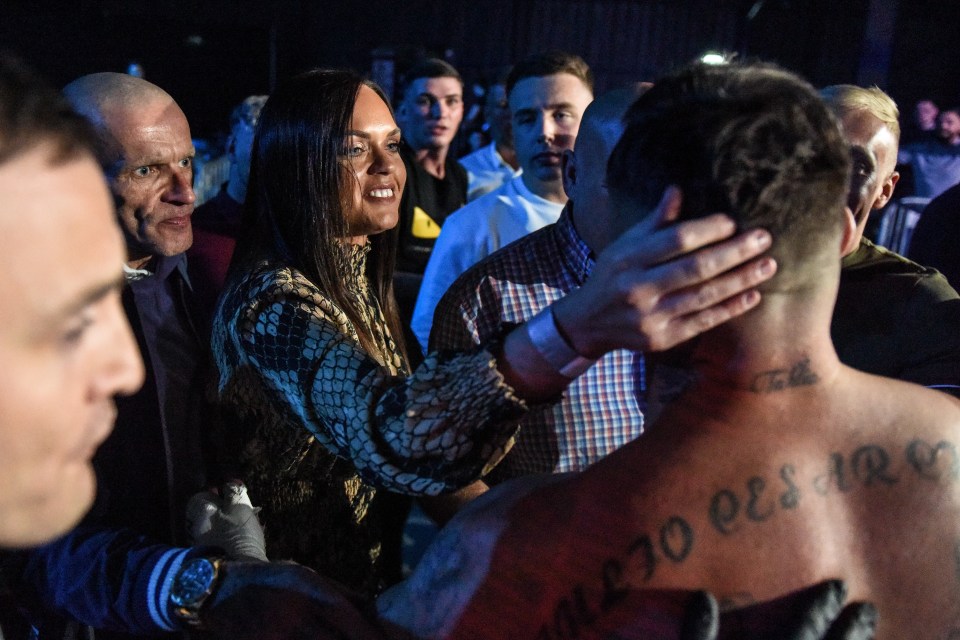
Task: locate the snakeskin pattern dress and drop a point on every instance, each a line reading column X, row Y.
column 321, row 427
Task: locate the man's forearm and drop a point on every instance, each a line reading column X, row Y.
column 106, row 578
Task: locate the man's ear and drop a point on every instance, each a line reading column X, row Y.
column 851, row 235
column 887, row 191
column 569, row 169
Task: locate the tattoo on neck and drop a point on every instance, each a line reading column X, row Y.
column 798, row 375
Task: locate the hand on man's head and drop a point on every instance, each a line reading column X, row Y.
column 662, row 283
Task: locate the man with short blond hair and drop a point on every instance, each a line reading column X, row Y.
column 893, row 317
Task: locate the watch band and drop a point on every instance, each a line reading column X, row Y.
column 548, row 342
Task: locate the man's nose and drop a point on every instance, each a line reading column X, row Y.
column 547, row 130
column 122, row 372
column 180, row 189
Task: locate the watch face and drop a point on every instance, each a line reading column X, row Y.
column 193, row 583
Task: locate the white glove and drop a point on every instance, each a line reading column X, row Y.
column 229, row 522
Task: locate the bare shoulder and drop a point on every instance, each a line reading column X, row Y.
column 907, row 405
column 431, row 600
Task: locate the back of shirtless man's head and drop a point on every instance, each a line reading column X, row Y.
column 751, row 140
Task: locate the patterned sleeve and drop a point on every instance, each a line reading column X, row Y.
column 442, row 427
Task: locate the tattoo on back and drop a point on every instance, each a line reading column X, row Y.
column 798, row 375
column 733, row 509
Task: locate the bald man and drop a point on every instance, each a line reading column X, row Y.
column 147, row 155
column 152, row 462
column 893, row 317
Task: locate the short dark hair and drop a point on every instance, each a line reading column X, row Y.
column 751, row 140
column 430, row 68
column 33, row 113
column 550, row 63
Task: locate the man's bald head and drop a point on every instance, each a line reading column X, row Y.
column 98, row 92
column 585, row 168
column 147, row 153
column 602, row 123
column 102, row 98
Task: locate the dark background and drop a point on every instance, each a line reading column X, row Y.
column 209, row 54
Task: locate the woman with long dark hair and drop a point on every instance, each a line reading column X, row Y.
column 309, row 346
column 313, row 375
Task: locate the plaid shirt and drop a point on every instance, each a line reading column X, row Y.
column 600, row 410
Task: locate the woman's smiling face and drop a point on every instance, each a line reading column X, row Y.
column 371, row 154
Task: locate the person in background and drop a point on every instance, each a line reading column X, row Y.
column 935, row 161
column 936, row 239
column 429, row 112
column 548, row 93
column 893, row 317
column 923, row 123
column 216, row 223
column 493, row 164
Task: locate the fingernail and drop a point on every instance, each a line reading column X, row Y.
column 767, row 266
column 762, row 239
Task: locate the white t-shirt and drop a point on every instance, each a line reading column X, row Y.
column 473, row 232
column 486, row 171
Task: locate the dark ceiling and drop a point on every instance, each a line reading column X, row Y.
column 209, row 54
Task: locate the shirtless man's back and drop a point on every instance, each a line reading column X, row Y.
column 769, row 465
column 759, row 499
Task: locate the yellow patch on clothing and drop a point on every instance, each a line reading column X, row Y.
column 423, row 225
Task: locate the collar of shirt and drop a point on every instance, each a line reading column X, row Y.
column 574, row 251
column 161, row 266
column 498, row 161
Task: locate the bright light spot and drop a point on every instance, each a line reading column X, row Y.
column 713, row 58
